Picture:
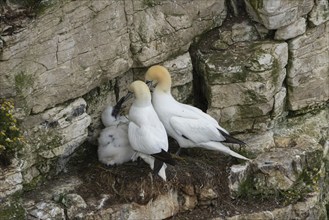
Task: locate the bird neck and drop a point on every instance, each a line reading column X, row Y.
column 164, row 86
column 142, row 99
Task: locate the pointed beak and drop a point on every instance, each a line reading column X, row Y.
column 150, row 84
column 118, row 106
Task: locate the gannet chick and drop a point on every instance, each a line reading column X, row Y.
column 110, row 114
column 188, row 125
column 107, row 118
column 113, row 143
column 146, row 133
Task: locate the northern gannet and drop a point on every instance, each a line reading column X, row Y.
column 113, row 143
column 146, row 133
column 188, row 125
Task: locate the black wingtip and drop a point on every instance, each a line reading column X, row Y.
column 230, row 139
column 157, row 166
column 164, row 157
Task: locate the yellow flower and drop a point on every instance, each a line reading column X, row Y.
column 2, row 148
column 8, row 140
column 13, row 128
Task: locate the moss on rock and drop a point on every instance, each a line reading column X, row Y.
column 13, row 209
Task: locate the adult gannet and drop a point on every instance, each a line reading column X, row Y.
column 188, row 125
column 146, row 133
column 113, row 143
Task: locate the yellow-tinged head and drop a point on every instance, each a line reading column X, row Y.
column 160, row 75
column 141, row 91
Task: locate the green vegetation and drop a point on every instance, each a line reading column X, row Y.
column 35, row 7
column 22, row 82
column 33, row 183
column 10, row 138
column 307, row 182
column 150, row 3
column 12, row 211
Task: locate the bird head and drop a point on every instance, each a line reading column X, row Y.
column 139, row 89
column 158, row 75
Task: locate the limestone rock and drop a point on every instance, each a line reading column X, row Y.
column 244, row 31
column 181, row 69
column 238, row 174
column 297, row 155
column 189, row 203
column 279, row 102
column 53, row 202
column 49, row 210
column 56, row 134
column 305, row 130
column 72, row 122
column 277, row 14
column 278, row 170
column 11, row 180
column 237, row 32
column 289, row 161
column 162, row 207
column 207, row 194
column 1, row 44
column 311, row 208
column 236, row 6
column 292, row 30
column 258, row 143
column 160, row 30
column 320, row 12
column 242, row 83
column 108, row 93
column 75, row 204
column 308, row 84
column 67, row 52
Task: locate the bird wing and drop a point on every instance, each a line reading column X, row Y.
column 204, row 115
column 197, row 130
column 146, row 139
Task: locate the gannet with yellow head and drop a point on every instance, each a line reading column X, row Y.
column 146, row 133
column 188, row 125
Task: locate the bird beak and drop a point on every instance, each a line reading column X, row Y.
column 149, row 83
column 118, row 106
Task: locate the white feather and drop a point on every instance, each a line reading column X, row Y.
column 113, row 145
column 188, row 125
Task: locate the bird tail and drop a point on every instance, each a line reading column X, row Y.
column 160, row 169
column 222, row 148
column 165, row 157
column 157, row 166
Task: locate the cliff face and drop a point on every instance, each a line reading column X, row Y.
column 259, row 67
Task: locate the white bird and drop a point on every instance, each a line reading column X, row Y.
column 109, row 119
column 113, row 143
column 146, row 133
column 188, row 125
